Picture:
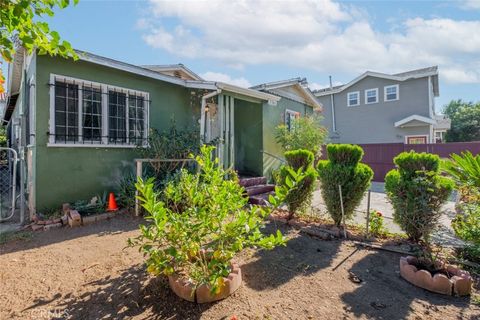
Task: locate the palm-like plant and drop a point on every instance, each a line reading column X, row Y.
column 464, row 169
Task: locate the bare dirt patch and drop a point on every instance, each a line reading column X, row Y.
column 86, row 273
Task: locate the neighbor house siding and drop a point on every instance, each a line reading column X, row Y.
column 66, row 174
column 272, row 117
column 374, row 123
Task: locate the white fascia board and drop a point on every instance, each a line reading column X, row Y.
column 199, row 84
column 247, row 92
column 413, row 118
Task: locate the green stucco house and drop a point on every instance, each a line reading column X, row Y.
column 78, row 123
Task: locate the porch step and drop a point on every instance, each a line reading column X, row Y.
column 259, row 189
column 252, row 181
column 260, row 199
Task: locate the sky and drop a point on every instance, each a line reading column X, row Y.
column 247, row 42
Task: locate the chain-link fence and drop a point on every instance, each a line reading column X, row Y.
column 8, row 183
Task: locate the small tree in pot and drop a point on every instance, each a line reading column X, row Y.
column 343, row 168
column 200, row 226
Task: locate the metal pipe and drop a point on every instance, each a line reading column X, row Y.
column 334, row 126
column 343, row 212
column 202, row 111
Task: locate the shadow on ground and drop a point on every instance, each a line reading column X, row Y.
column 383, row 294
column 118, row 224
column 130, row 294
column 303, row 255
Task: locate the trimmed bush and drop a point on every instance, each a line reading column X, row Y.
column 343, row 168
column 417, row 192
column 297, row 178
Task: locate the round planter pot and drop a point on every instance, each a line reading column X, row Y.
column 460, row 282
column 186, row 290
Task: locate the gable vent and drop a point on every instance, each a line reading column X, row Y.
column 177, row 74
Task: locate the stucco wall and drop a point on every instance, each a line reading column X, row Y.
column 374, row 123
column 272, row 117
column 75, row 173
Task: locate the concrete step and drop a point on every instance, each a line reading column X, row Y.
column 260, row 199
column 258, row 189
column 252, row 181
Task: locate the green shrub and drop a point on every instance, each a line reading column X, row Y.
column 201, row 226
column 299, row 158
column 376, row 223
column 298, row 179
column 306, row 133
column 343, row 168
column 417, row 193
column 126, row 191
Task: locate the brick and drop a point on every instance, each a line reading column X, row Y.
column 86, row 220
column 423, row 279
column 52, row 226
column 74, row 218
column 66, row 208
column 36, row 227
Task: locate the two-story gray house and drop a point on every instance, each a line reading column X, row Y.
column 383, row 108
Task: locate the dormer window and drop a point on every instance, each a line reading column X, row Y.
column 391, row 93
column 353, row 98
column 371, row 96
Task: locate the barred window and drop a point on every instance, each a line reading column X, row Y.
column 66, row 111
column 117, row 117
column 83, row 112
column 92, row 114
column 136, row 118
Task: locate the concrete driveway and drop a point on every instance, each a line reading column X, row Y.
column 378, row 201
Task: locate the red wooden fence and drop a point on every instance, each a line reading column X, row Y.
column 379, row 156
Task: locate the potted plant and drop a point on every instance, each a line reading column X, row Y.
column 196, row 227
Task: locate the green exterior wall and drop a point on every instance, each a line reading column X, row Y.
column 67, row 174
column 272, row 117
column 248, row 137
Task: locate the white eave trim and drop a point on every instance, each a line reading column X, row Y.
column 376, row 75
column 247, row 92
column 414, row 117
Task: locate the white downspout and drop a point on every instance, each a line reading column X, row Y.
column 334, row 126
column 202, row 116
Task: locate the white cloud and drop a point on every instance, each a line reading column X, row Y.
column 222, row 77
column 471, row 4
column 314, row 34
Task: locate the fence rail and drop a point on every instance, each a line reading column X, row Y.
column 379, row 156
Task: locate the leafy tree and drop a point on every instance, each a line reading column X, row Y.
column 305, row 133
column 20, row 24
column 465, row 118
column 201, row 225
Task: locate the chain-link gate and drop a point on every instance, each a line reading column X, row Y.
column 8, row 183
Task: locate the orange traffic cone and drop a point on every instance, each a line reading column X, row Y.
column 112, row 203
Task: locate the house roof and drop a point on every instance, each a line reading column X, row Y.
column 414, row 120
column 301, row 93
column 178, row 70
column 443, row 122
column 15, row 76
column 412, row 74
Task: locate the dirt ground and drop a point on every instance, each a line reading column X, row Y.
column 86, row 273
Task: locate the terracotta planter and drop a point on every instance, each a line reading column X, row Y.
column 460, row 283
column 186, row 290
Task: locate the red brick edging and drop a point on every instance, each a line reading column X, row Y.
column 460, row 283
column 186, row 290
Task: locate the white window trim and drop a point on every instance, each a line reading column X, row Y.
column 294, row 113
column 385, row 92
column 376, row 95
column 417, row 136
column 104, row 87
column 348, row 98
